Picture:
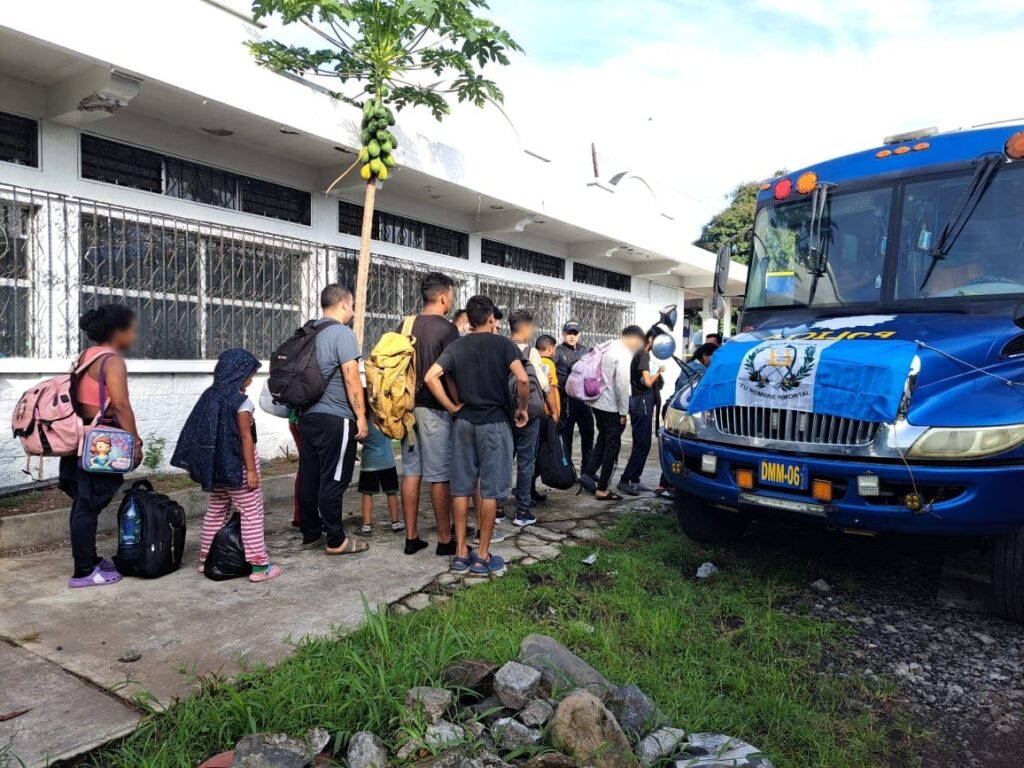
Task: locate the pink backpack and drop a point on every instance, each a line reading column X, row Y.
column 586, row 380
column 45, row 419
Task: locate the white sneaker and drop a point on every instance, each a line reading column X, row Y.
column 496, row 538
column 366, row 529
column 397, row 526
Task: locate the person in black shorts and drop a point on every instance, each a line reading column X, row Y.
column 377, row 474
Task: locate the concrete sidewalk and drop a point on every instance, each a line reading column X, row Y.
column 183, row 625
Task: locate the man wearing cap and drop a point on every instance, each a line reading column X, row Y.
column 575, row 413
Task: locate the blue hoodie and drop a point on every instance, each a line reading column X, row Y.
column 209, row 446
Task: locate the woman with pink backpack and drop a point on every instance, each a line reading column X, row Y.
column 100, row 384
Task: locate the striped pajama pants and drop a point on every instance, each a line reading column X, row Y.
column 250, row 508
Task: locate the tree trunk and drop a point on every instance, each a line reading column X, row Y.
column 363, row 266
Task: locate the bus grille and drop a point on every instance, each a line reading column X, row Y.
column 793, row 426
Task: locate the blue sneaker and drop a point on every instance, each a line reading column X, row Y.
column 493, row 565
column 461, row 564
column 524, row 518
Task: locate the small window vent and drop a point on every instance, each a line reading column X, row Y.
column 1014, row 347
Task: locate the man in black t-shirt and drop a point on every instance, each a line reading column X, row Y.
column 641, row 417
column 476, row 369
column 429, row 459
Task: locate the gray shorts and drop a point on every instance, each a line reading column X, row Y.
column 482, row 452
column 431, row 457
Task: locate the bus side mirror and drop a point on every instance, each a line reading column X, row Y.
column 722, row 269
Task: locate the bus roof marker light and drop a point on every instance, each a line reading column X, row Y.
column 783, row 188
column 901, row 150
column 921, row 146
column 807, row 183
column 883, row 153
column 1015, row 146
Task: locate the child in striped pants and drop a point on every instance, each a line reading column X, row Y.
column 226, row 462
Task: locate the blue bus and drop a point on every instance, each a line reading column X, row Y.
column 878, row 381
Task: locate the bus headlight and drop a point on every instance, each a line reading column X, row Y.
column 966, row 442
column 679, row 422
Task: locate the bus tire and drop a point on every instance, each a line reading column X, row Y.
column 1008, row 576
column 701, row 522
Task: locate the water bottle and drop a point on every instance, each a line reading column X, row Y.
column 128, row 535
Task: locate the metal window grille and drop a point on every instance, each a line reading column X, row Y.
column 522, row 259
column 201, row 183
column 15, row 277
column 601, row 319
column 402, row 230
column 122, row 164
column 276, row 201
column 602, row 278
column 19, row 140
column 393, row 291
column 128, row 166
column 545, row 304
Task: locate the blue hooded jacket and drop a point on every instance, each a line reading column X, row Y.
column 209, row 446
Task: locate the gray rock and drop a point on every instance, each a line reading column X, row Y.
column 546, row 535
column 552, row 760
column 634, row 710
column 560, row 668
column 365, row 750
column 583, row 728
column 515, row 684
column 716, row 750
column 462, row 757
column 487, row 710
column 536, row 713
column 271, row 750
column 443, row 733
column 663, row 743
column 130, row 656
column 511, row 734
column 417, row 602
column 470, row 679
column 432, row 702
column 821, row 586
column 318, row 739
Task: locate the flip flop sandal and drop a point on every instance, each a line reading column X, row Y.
column 612, row 496
column 271, row 573
column 348, row 547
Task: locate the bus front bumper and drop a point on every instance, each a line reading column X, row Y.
column 958, row 500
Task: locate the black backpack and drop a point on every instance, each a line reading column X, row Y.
column 161, row 533
column 226, row 558
column 553, row 463
column 535, row 403
column 295, row 376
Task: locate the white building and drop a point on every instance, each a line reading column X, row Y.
column 144, row 157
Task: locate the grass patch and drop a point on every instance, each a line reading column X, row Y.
column 715, row 655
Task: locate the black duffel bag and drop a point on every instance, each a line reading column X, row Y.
column 554, row 465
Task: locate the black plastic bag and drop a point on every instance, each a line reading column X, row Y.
column 226, row 558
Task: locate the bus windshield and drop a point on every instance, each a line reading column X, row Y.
column 987, row 259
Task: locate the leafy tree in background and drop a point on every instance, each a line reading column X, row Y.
column 385, row 54
column 733, row 219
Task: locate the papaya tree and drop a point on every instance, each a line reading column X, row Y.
column 383, row 56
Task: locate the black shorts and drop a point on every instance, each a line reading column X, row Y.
column 376, row 480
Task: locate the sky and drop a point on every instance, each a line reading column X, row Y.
column 697, row 96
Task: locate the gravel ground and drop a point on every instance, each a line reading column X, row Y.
column 960, row 671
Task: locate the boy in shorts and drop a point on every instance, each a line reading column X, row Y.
column 377, row 474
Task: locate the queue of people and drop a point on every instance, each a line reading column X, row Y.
column 479, row 400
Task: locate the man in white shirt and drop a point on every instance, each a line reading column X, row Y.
column 610, row 411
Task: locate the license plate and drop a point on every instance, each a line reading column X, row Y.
column 783, row 474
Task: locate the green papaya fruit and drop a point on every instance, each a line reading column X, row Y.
column 383, row 173
column 373, row 148
column 386, row 147
column 389, row 161
column 365, row 172
column 365, row 136
column 364, row 155
column 368, row 108
column 382, row 135
column 375, row 166
column 391, row 119
column 380, row 113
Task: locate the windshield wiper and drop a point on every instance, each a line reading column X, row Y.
column 965, row 207
column 818, row 246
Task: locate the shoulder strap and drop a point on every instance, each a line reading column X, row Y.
column 407, row 325
column 87, row 360
column 104, row 401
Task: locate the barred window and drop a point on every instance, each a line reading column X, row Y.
column 201, row 183
column 601, row 319
column 401, row 230
column 543, row 303
column 195, row 294
column 276, row 201
column 127, row 166
column 19, row 140
column 122, row 164
column 602, row 278
column 15, row 282
column 393, row 291
column 522, row 259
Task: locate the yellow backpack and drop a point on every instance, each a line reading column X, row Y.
column 391, row 383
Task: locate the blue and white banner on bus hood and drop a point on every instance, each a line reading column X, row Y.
column 857, row 379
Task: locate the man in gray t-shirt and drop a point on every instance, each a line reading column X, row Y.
column 329, row 429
